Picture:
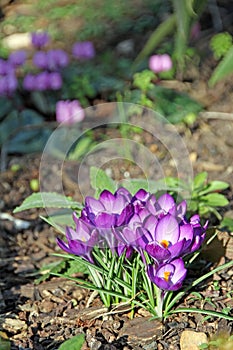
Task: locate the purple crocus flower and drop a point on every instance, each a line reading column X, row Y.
column 81, row 240
column 8, row 84
column 6, row 67
column 29, row 82
column 110, row 210
column 54, row 81
column 39, row 39
column 168, row 276
column 160, row 63
column 199, row 232
column 17, row 58
column 83, row 50
column 40, row 59
column 170, row 239
column 42, row 81
column 69, row 112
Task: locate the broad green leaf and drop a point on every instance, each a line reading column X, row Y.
column 74, row 343
column 227, row 223
column 47, row 200
column 214, row 186
column 101, row 181
column 199, row 180
column 76, row 267
column 223, row 69
column 215, row 200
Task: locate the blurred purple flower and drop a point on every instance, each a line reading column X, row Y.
column 69, row 112
column 40, row 39
column 83, row 50
column 160, row 63
column 6, row 67
column 54, row 81
column 40, row 59
column 51, row 60
column 168, row 276
column 17, row 58
column 29, row 82
column 42, row 81
column 8, row 84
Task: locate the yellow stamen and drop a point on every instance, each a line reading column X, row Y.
column 164, row 243
column 166, row 275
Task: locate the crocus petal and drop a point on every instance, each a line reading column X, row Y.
column 166, row 202
column 107, row 199
column 105, row 220
column 167, row 229
column 93, row 205
column 180, row 271
column 177, row 249
column 157, row 252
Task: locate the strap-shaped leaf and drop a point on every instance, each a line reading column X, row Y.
column 223, row 69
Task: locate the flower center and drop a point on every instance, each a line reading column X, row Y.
column 166, row 275
column 164, row 243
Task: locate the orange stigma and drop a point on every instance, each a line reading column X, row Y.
column 166, row 275
column 164, row 243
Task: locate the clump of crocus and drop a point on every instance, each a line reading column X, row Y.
column 160, row 63
column 154, row 230
column 69, row 112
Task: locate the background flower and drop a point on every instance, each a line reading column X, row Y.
column 69, row 112
column 83, row 50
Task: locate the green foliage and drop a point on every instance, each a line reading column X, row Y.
column 22, row 131
column 83, row 146
column 178, row 24
column 5, row 344
column 47, row 200
column 220, row 44
column 223, row 69
column 101, row 181
column 142, row 80
column 205, row 197
column 74, row 343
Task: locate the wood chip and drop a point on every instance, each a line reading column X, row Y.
column 141, row 330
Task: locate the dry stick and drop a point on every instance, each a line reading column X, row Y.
column 216, row 115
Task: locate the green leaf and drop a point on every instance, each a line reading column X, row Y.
column 214, row 186
column 164, row 29
column 76, row 267
column 223, row 69
column 215, row 200
column 74, row 343
column 47, row 200
column 48, row 270
column 5, row 344
column 199, row 180
column 83, row 146
column 101, row 181
column 227, row 223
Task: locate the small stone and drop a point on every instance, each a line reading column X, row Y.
column 191, row 340
column 17, row 41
